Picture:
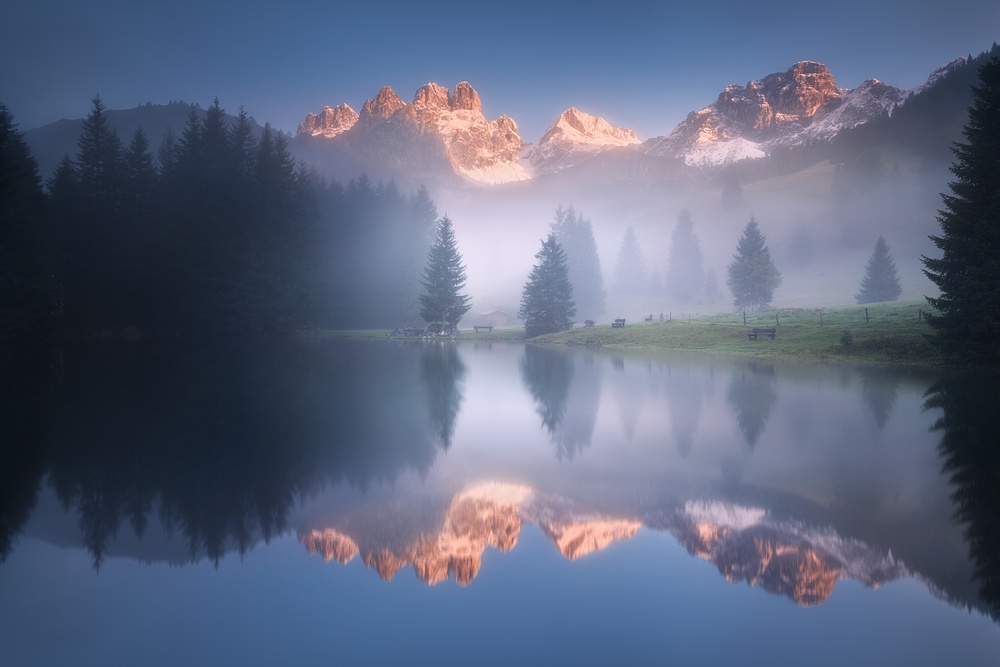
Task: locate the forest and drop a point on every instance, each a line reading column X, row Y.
column 219, row 233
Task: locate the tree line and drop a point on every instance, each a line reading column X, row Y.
column 219, row 232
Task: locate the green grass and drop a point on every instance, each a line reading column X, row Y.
column 893, row 333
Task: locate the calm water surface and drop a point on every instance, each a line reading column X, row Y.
column 377, row 502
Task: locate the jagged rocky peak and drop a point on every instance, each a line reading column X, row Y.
column 465, row 97
column 803, row 90
column 433, row 96
column 330, row 122
column 382, row 105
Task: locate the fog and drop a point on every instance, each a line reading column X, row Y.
column 820, row 224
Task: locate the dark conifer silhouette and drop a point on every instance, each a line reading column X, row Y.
column 28, row 298
column 968, row 321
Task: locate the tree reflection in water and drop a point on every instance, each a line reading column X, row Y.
column 752, row 394
column 881, row 386
column 443, row 375
column 219, row 442
column 566, row 397
column 970, row 451
column 27, row 377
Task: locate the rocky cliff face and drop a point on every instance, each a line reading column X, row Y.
column 437, row 128
column 330, row 122
column 798, row 105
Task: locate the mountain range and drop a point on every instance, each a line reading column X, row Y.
column 442, row 135
column 447, row 129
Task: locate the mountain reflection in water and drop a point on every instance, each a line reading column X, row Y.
column 422, row 455
column 802, row 562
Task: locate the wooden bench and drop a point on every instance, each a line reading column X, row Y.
column 485, row 327
column 620, row 322
column 758, row 331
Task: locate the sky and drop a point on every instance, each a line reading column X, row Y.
column 643, row 65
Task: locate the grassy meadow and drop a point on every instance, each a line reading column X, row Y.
column 893, row 333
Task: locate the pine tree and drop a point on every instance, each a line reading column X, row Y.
column 576, row 237
column 98, row 161
column 441, row 303
column 27, row 289
column 547, row 300
column 139, row 174
column 881, row 282
column 630, row 272
column 752, row 275
column 686, row 271
column 968, row 272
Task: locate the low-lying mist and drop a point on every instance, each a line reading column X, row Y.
column 820, row 223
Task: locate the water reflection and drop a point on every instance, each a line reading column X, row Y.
column 566, row 396
column 970, row 451
column 880, row 388
column 27, row 377
column 752, row 394
column 443, row 374
column 220, row 443
column 424, row 456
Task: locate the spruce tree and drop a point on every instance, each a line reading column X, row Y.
column 881, row 282
column 752, row 275
column 547, row 300
column 442, row 304
column 630, row 272
column 967, row 323
column 576, row 237
column 99, row 161
column 27, row 288
column 686, row 271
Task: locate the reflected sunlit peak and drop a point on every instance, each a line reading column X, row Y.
column 725, row 515
column 332, row 544
column 579, row 538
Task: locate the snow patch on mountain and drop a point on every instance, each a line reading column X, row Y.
column 573, row 137
column 797, row 106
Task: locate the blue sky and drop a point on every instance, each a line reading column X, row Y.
column 643, row 65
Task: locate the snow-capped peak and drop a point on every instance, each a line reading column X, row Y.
column 574, row 136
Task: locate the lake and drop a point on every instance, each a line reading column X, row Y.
column 386, row 502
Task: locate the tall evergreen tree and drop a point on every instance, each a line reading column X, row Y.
column 442, row 302
column 547, row 300
column 576, row 236
column 416, row 238
column 686, row 269
column 881, row 282
column 968, row 272
column 139, row 174
column 630, row 272
column 752, row 275
column 98, row 161
column 27, row 288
